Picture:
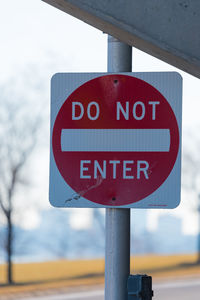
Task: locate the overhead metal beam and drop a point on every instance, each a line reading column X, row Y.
column 168, row 30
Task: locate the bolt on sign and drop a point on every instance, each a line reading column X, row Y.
column 116, row 140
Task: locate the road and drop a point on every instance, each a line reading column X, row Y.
column 185, row 289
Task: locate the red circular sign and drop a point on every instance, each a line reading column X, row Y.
column 120, row 176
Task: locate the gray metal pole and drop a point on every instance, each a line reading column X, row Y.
column 117, row 256
column 119, row 56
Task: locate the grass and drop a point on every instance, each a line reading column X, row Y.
column 164, row 266
column 67, row 273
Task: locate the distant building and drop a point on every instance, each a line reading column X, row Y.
column 169, row 237
column 169, row 225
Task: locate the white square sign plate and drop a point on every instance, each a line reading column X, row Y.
column 116, row 140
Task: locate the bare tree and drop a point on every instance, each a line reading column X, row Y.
column 56, row 222
column 191, row 175
column 18, row 133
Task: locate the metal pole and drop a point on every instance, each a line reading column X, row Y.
column 119, row 56
column 117, row 256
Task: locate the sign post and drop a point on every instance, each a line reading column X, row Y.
column 115, row 143
column 117, row 255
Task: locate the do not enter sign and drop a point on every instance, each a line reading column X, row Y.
column 115, row 140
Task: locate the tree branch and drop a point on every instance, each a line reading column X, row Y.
column 5, row 211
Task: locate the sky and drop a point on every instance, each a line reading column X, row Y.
column 37, row 41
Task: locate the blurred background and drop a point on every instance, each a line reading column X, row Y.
column 38, row 41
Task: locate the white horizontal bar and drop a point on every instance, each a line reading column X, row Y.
column 116, row 140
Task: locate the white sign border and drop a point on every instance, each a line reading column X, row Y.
column 169, row 84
